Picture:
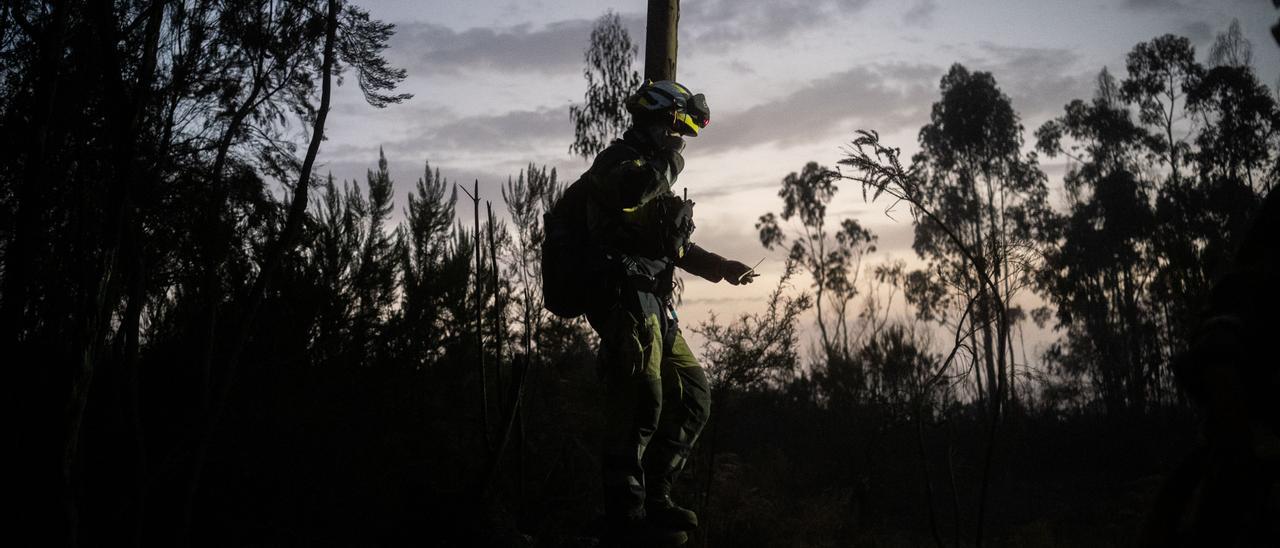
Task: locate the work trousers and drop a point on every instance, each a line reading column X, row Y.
column 657, row 401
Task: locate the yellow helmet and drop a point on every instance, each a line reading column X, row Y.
column 689, row 111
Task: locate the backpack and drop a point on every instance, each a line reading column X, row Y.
column 575, row 275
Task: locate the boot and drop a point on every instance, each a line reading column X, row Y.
column 666, row 514
column 637, row 532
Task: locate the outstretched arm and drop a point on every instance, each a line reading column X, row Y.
column 712, row 267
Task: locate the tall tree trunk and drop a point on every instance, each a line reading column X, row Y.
column 129, row 334
column 985, row 300
column 43, row 505
column 214, row 253
column 1173, row 148
column 479, row 317
column 1136, row 353
column 29, row 200
column 520, row 367
column 101, row 295
column 660, row 40
column 917, row 407
column 497, row 321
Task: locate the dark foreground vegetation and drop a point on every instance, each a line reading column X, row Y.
column 208, row 344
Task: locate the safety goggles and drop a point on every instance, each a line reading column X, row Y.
column 693, row 116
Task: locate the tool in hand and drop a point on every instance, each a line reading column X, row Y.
column 751, row 273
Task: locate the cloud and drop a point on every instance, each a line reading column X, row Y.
column 874, row 96
column 1154, row 5
column 739, row 67
column 1028, row 59
column 880, row 96
column 516, row 132
column 556, row 48
column 487, row 147
column 887, row 97
column 730, row 190
column 1039, row 81
column 1198, row 32
column 731, row 235
column 509, row 130
column 427, row 48
column 921, row 13
column 716, row 302
column 718, row 25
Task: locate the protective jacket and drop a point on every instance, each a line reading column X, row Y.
column 635, row 223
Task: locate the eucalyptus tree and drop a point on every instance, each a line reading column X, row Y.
column 832, row 256
column 1234, row 163
column 1240, row 123
column 1159, row 73
column 1098, row 272
column 611, row 77
column 988, row 201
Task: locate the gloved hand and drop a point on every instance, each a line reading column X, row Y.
column 737, row 273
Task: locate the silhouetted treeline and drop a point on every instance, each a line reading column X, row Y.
column 207, row 343
column 1164, row 170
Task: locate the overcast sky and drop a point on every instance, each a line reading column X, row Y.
column 788, row 81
